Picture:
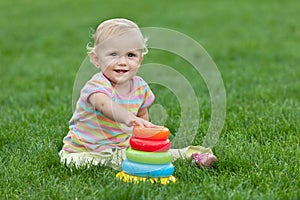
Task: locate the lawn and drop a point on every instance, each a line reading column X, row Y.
column 255, row 45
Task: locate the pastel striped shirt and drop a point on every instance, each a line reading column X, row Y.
column 90, row 130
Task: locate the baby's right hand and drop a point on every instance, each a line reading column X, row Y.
column 137, row 121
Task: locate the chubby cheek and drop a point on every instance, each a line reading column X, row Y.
column 134, row 69
column 134, row 63
column 107, row 64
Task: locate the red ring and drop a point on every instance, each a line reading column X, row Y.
column 149, row 145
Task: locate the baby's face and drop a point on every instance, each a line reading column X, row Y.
column 120, row 57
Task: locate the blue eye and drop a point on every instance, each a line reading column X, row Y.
column 113, row 54
column 131, row 55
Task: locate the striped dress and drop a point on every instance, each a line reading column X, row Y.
column 90, row 130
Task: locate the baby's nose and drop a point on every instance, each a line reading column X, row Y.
column 122, row 61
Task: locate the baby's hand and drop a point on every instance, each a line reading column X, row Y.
column 137, row 121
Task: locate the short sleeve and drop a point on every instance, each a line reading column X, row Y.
column 96, row 85
column 148, row 97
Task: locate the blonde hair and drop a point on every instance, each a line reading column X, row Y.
column 114, row 27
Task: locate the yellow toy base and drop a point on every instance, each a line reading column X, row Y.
column 136, row 179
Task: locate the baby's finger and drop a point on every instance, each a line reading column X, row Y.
column 149, row 125
column 137, row 123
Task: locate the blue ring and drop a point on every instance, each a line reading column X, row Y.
column 147, row 170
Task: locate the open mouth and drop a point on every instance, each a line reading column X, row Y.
column 121, row 71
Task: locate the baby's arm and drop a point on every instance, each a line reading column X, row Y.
column 143, row 113
column 115, row 112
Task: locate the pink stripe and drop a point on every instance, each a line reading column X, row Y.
column 111, row 129
column 136, row 97
column 101, row 148
column 102, row 126
column 72, row 150
column 88, row 136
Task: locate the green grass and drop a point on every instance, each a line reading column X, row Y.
column 255, row 45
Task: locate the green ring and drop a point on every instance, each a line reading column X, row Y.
column 148, row 157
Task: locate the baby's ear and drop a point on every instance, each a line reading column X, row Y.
column 94, row 59
column 141, row 58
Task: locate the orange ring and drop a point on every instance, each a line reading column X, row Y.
column 155, row 133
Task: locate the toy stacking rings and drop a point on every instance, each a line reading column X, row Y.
column 155, row 133
column 147, row 170
column 148, row 157
column 149, row 145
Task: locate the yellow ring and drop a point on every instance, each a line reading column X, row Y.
column 136, row 179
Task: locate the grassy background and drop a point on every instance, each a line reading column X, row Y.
column 255, row 45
